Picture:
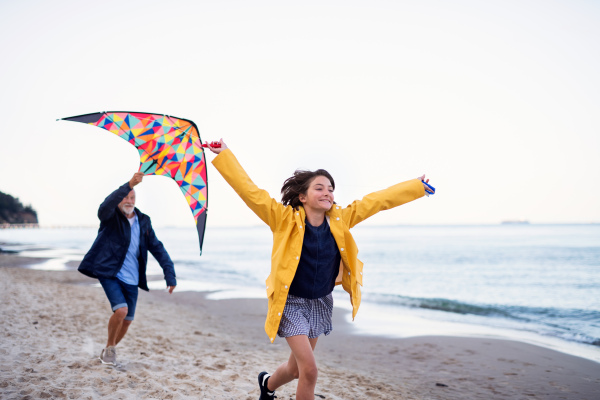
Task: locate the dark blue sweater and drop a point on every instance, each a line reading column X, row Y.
column 319, row 263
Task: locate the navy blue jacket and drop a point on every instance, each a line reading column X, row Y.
column 105, row 258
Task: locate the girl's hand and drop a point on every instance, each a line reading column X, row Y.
column 217, row 150
column 428, row 190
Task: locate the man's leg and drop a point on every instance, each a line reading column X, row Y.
column 115, row 326
column 301, row 365
column 123, row 330
column 130, row 292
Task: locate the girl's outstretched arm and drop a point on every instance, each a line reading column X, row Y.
column 260, row 202
column 385, row 199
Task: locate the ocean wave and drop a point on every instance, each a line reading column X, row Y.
column 569, row 324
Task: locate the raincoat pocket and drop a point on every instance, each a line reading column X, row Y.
column 270, row 287
column 359, row 272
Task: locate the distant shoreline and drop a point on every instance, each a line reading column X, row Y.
column 461, row 225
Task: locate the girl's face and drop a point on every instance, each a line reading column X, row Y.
column 319, row 196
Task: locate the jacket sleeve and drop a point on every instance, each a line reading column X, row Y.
column 385, row 199
column 109, row 205
column 159, row 252
column 260, row 202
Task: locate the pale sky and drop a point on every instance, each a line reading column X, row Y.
column 496, row 101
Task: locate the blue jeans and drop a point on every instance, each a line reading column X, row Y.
column 120, row 295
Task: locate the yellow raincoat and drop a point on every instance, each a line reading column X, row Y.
column 287, row 225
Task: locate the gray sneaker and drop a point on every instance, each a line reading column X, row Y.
column 109, row 355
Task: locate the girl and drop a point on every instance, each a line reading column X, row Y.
column 313, row 251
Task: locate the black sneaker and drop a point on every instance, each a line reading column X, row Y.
column 263, row 377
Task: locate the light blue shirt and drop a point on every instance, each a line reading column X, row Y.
column 130, row 271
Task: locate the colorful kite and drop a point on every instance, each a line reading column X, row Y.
column 168, row 146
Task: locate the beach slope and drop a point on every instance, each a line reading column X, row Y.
column 184, row 346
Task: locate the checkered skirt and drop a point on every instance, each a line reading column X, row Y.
column 310, row 317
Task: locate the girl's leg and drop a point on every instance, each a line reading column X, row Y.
column 301, row 365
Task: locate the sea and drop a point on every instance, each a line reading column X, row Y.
column 528, row 282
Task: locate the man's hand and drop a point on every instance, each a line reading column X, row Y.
column 170, row 289
column 137, row 178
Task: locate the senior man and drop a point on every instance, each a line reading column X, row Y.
column 118, row 260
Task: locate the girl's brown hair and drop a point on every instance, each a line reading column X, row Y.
column 298, row 184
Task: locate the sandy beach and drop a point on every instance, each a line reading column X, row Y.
column 184, row 346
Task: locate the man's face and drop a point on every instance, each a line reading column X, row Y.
column 128, row 204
